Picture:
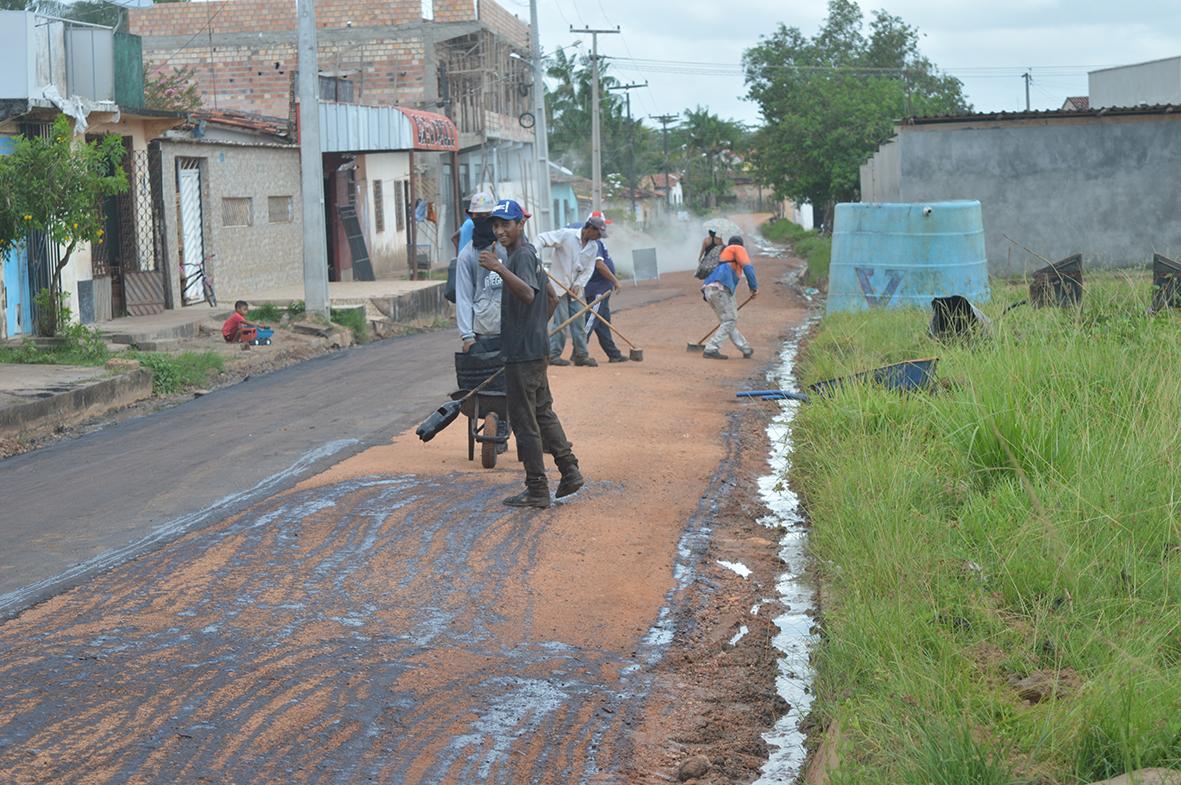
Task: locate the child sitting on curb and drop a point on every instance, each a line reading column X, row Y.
column 236, row 329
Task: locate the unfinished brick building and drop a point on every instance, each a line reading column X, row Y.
column 447, row 56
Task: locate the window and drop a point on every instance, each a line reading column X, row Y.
column 428, row 10
column 378, row 206
column 336, row 88
column 280, row 209
column 237, row 211
column 399, row 206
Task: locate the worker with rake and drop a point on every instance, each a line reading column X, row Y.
column 718, row 291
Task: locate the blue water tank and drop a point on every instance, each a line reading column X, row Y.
column 899, row 255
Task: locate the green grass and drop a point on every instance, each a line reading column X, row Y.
column 1026, row 517
column 267, row 313
column 354, row 319
column 812, row 246
column 173, row 373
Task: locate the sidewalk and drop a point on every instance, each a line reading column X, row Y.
column 35, row 399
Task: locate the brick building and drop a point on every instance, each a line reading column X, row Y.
column 447, row 56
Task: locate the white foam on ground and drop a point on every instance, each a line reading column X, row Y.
column 795, row 638
column 737, row 567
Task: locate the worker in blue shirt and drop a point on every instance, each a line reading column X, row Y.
column 718, row 291
column 603, row 282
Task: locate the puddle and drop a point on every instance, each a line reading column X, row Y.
column 738, row 567
column 794, row 640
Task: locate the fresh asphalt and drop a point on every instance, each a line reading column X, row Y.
column 81, row 506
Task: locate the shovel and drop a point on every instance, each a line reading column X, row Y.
column 445, row 415
column 700, row 345
column 636, row 353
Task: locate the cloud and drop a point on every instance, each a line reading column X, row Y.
column 962, row 36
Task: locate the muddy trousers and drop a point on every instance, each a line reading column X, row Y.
column 535, row 425
column 723, row 305
column 567, row 307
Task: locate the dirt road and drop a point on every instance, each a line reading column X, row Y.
column 388, row 620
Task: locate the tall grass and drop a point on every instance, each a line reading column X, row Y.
column 1024, row 518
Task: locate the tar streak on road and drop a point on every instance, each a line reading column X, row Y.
column 374, row 630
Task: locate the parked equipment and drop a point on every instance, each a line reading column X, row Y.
column 1166, row 283
column 700, row 345
column 1059, row 284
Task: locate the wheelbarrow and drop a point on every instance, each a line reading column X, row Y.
column 487, row 408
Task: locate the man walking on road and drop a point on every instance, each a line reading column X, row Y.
column 718, row 291
column 525, row 309
column 575, row 251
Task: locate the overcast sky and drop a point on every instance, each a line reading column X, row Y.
column 986, row 43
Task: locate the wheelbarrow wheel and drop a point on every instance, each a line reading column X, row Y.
column 488, row 449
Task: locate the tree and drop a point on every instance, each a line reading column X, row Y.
column 568, row 115
column 712, row 150
column 56, row 185
column 172, row 89
column 829, row 101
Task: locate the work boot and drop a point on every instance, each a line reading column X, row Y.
column 571, row 482
column 619, row 358
column 529, row 498
column 588, row 362
column 714, row 354
column 558, row 361
column 747, row 353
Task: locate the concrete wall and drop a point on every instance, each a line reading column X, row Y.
column 881, row 175
column 387, row 248
column 1101, row 186
column 1153, row 83
column 251, row 259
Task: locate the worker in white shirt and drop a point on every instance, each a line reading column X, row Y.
column 574, row 255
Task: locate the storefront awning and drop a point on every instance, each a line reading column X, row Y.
column 348, row 128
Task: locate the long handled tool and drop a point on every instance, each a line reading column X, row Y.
column 700, row 345
column 584, row 309
column 636, row 353
column 445, row 415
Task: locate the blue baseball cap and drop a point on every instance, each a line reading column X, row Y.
column 508, row 210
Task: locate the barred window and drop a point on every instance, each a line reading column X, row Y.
column 399, row 207
column 378, row 206
column 237, row 211
column 280, row 209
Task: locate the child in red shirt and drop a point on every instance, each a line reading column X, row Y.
column 236, row 329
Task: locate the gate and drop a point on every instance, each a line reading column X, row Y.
column 131, row 253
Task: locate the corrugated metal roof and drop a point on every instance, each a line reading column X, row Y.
column 348, row 128
column 1046, row 114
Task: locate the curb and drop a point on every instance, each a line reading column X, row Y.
column 87, row 400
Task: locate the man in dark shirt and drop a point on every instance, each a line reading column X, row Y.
column 603, row 282
column 526, row 305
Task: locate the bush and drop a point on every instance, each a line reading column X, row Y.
column 355, row 320
column 175, row 373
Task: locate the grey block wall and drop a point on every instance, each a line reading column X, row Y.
column 1105, row 187
column 248, row 260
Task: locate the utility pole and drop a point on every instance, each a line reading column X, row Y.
column 1028, row 77
column 664, row 120
column 631, row 148
column 544, row 205
column 311, row 167
column 596, row 142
